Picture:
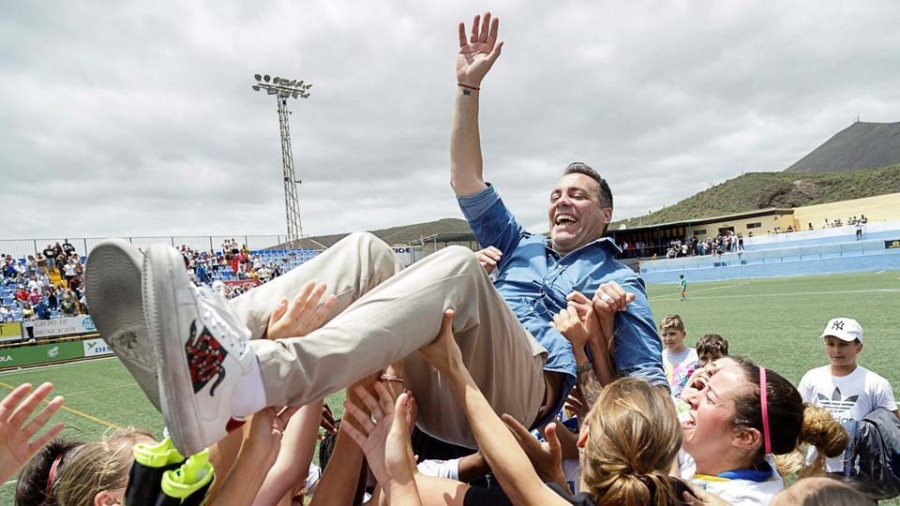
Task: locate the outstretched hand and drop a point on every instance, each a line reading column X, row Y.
column 15, row 448
column 302, row 315
column 545, row 457
column 383, row 434
column 443, row 354
column 479, row 51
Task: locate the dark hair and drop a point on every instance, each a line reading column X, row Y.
column 326, row 448
column 604, row 194
column 790, row 419
column 712, row 344
column 32, row 486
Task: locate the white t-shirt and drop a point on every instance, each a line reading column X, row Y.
column 679, row 367
column 849, row 397
column 741, row 488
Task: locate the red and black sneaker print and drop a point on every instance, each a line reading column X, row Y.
column 205, row 357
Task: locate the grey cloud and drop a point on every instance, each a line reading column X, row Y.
column 141, row 119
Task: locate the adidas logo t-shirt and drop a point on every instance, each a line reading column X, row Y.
column 850, row 397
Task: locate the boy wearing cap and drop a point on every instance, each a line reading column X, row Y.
column 847, row 390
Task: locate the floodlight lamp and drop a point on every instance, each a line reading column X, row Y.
column 276, row 80
column 270, row 91
column 257, row 77
column 308, row 86
column 255, row 87
column 266, row 78
column 294, row 94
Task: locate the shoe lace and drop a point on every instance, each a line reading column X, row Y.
column 219, row 317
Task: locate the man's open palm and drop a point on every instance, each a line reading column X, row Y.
column 478, row 51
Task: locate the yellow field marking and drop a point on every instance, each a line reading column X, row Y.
column 74, row 411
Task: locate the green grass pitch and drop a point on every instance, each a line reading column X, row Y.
column 776, row 322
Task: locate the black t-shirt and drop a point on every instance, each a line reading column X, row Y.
column 50, row 253
column 68, row 248
column 579, row 499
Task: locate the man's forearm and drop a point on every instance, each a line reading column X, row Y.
column 587, row 379
column 465, row 145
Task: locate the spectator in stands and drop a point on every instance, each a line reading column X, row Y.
column 67, row 305
column 67, row 248
column 847, row 390
column 41, row 263
column 50, row 256
column 711, row 347
column 42, row 311
column 52, row 299
column 22, row 295
column 6, row 315
column 35, row 296
column 61, row 260
column 69, row 271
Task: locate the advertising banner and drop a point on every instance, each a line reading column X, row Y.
column 10, row 331
column 39, row 354
column 96, row 347
column 82, row 324
column 895, row 244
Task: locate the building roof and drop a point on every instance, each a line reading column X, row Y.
column 713, row 219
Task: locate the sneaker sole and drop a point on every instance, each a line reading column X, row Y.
column 113, row 284
column 161, row 310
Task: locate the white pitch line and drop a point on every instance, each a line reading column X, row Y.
column 698, row 290
column 54, row 366
column 794, row 294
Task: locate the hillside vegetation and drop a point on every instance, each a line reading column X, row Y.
column 762, row 190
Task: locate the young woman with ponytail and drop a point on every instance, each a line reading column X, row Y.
column 740, row 417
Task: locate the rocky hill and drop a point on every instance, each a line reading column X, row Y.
column 859, row 146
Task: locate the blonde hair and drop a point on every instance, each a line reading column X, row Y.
column 672, row 321
column 820, row 429
column 97, row 466
column 632, row 443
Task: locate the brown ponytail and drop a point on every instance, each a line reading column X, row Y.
column 791, row 421
column 633, row 440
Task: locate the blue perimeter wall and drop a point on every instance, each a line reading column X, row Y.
column 865, row 261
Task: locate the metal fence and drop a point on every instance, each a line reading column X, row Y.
column 20, row 248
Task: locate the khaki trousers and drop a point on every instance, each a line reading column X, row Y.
column 384, row 315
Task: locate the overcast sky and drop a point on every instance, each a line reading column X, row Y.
column 137, row 118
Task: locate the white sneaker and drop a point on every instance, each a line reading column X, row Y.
column 201, row 351
column 113, row 283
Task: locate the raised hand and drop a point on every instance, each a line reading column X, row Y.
column 443, row 354
column 545, row 457
column 15, row 448
column 489, row 258
column 302, row 315
column 383, row 435
column 263, row 439
column 478, row 51
column 570, row 325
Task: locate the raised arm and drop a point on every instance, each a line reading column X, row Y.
column 508, row 461
column 477, row 53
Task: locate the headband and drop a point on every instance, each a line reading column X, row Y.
column 52, row 474
column 764, row 405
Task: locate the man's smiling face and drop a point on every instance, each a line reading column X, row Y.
column 577, row 217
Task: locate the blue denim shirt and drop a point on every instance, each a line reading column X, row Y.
column 534, row 280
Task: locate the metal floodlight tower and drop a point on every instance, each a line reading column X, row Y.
column 284, row 89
